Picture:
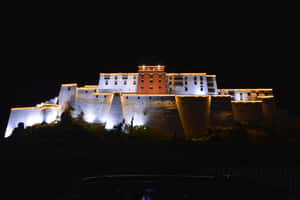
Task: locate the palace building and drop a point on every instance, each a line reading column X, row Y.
column 185, row 103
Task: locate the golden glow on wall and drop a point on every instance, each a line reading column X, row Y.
column 246, row 101
column 186, row 74
column 69, row 85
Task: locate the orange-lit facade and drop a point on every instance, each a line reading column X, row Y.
column 151, row 80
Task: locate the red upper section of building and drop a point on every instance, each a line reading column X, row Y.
column 152, row 80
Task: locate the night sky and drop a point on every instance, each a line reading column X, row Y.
column 39, row 63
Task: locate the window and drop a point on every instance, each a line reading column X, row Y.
column 69, row 88
column 201, row 89
column 134, row 82
column 210, row 79
column 142, row 80
column 116, row 83
column 210, row 84
column 195, row 82
column 151, row 75
column 142, row 87
column 104, row 96
column 201, row 78
column 86, row 91
column 241, row 94
column 142, row 76
column 170, row 89
column 134, row 77
column 211, row 90
column 124, row 77
column 186, row 89
column 151, row 87
column 249, row 94
column 126, row 97
column 97, row 96
column 125, row 82
column 94, row 90
column 159, row 75
column 106, row 82
column 151, row 81
column 138, row 97
column 150, row 97
column 186, row 82
column 106, row 77
column 116, row 77
column 159, row 87
column 170, row 83
column 195, row 78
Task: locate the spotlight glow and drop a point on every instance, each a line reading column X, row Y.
column 90, row 118
column 109, row 125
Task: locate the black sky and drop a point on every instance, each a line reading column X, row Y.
column 39, row 63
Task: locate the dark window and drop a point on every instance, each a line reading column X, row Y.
column 86, row 91
column 211, row 90
column 186, row 83
column 195, row 78
column 94, row 90
column 186, row 89
column 159, row 80
column 151, row 81
column 210, row 84
column 134, row 77
column 201, row 78
column 241, row 94
column 125, row 83
column 116, row 77
column 142, row 87
column 201, row 89
column 170, row 83
column 249, row 94
column 104, row 96
column 138, row 97
column 151, row 76
column 134, row 83
column 69, row 88
column 106, row 77
column 151, row 87
column 231, row 93
column 116, row 83
column 210, row 79
column 195, row 82
column 124, row 77
column 185, row 77
column 150, row 97
column 159, row 87
column 126, row 97
column 142, row 80
column 97, row 96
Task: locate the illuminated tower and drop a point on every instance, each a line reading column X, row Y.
column 152, row 80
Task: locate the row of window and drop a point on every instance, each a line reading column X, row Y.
column 151, row 80
column 241, row 94
column 195, row 83
column 150, row 87
column 116, row 83
column 185, row 78
column 107, row 77
column 186, row 89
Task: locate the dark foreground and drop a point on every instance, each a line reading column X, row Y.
column 57, row 171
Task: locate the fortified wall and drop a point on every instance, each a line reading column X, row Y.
column 181, row 104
